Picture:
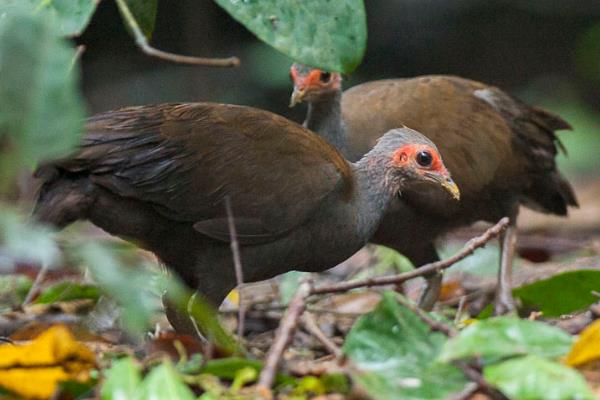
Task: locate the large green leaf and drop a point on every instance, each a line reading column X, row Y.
column 122, row 380
column 502, row 337
column 572, row 291
column 39, row 105
column 144, row 12
column 395, row 354
column 71, row 17
column 533, row 377
column 163, row 382
column 328, row 34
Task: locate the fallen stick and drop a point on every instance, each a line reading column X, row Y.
column 426, row 269
column 287, row 326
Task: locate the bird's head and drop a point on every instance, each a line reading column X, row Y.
column 414, row 160
column 310, row 84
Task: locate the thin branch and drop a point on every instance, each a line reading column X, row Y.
column 287, row 326
column 237, row 262
column 142, row 43
column 460, row 309
column 36, row 285
column 437, row 326
column 426, row 269
column 309, row 323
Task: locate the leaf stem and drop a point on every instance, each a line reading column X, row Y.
column 142, row 43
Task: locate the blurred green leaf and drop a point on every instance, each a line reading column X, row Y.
column 71, row 17
column 163, row 382
column 144, row 12
column 40, row 108
column 122, row 380
column 533, row 377
column 67, row 291
column 117, row 278
column 575, row 289
column 395, row 353
column 327, row 34
column 502, row 337
column 23, row 241
column 204, row 314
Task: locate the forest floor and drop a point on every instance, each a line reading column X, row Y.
column 558, row 269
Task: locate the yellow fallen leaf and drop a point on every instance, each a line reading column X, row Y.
column 587, row 348
column 34, row 370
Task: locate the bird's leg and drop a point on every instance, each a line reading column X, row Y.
column 504, row 302
column 433, row 282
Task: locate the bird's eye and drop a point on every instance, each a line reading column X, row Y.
column 424, row 158
column 325, row 77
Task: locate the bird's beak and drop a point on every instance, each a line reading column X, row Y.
column 297, row 96
column 447, row 183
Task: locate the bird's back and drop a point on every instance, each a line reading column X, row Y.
column 495, row 146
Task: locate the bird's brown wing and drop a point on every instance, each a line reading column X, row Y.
column 486, row 137
column 185, row 159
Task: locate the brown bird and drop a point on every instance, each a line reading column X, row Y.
column 160, row 175
column 500, row 151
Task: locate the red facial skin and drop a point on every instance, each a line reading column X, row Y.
column 406, row 156
column 313, row 81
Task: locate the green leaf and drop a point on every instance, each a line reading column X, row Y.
column 533, row 377
column 23, row 241
column 71, row 17
column 204, row 314
column 395, row 353
column 116, row 276
column 327, row 34
column 575, row 289
column 40, row 108
column 227, row 368
column 502, row 337
column 144, row 12
column 122, row 380
column 163, row 382
column 67, row 291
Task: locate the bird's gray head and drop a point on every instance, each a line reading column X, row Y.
column 311, row 84
column 412, row 158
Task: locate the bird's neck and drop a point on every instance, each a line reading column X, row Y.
column 375, row 190
column 324, row 117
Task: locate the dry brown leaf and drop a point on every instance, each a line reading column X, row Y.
column 587, row 348
column 35, row 369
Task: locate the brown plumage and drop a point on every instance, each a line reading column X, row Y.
column 500, row 151
column 159, row 176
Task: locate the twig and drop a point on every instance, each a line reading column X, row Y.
column 426, row 269
column 466, row 393
column 309, row 323
column 437, row 326
column 459, row 310
column 36, row 284
column 237, row 262
column 142, row 43
column 79, row 50
column 286, row 328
